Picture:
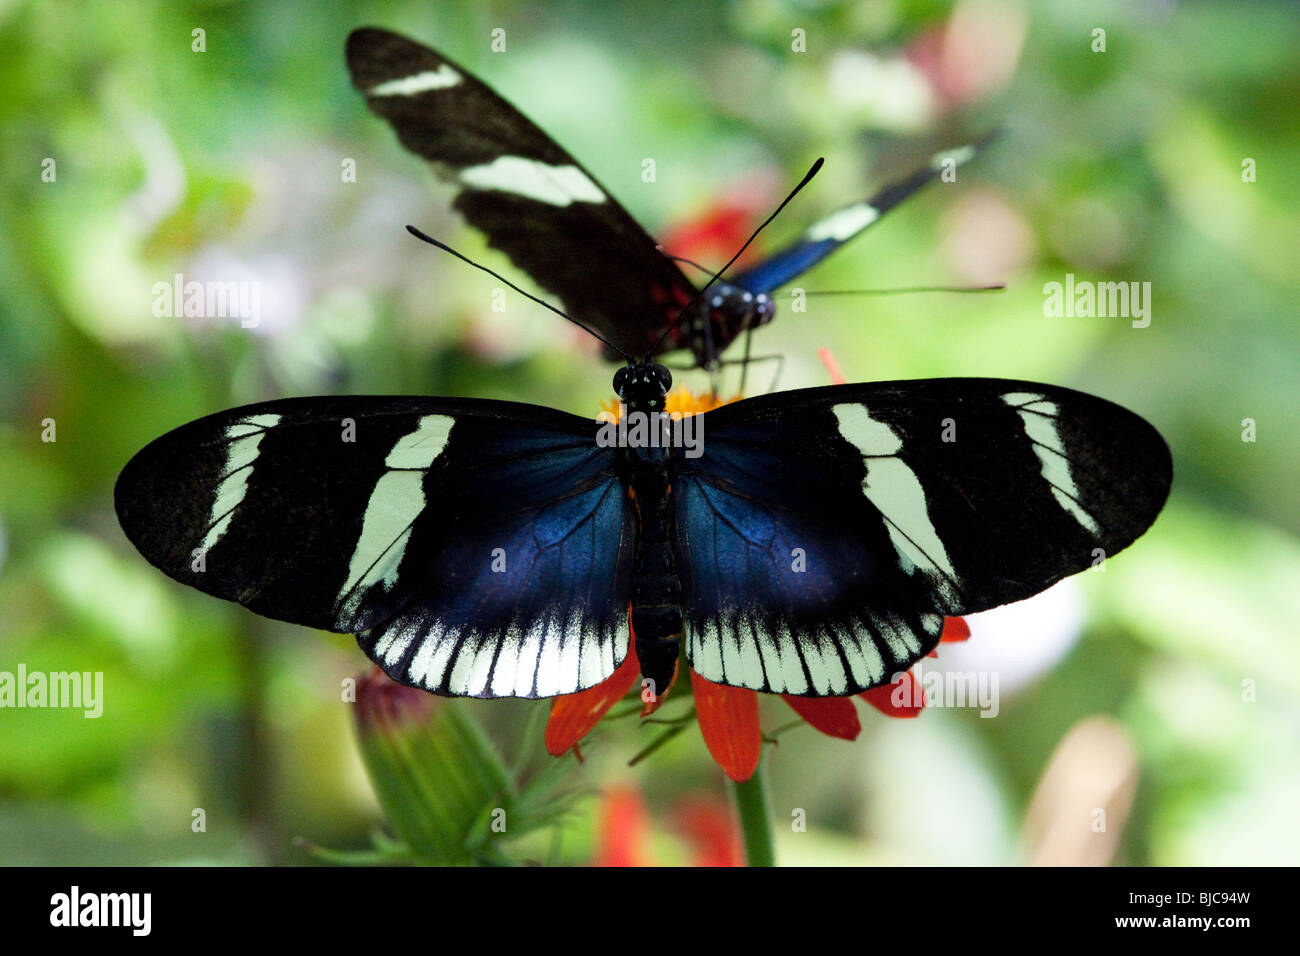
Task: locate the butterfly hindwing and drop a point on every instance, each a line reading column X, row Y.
column 478, row 548
column 530, row 198
column 792, row 598
column 826, row 532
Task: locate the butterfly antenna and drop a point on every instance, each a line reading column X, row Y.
column 816, row 167
column 496, row 275
column 994, row 287
column 689, row 262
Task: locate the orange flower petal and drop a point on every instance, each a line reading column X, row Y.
column 954, row 629
column 728, row 718
column 573, row 715
column 903, row 697
column 622, row 832
column 833, row 716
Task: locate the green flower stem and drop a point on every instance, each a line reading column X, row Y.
column 755, row 826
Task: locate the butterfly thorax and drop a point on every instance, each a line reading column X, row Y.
column 656, row 591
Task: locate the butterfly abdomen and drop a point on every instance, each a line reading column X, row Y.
column 656, row 586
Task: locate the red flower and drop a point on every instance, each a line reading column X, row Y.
column 716, row 232
column 728, row 716
column 622, row 829
column 705, row 824
column 710, row 828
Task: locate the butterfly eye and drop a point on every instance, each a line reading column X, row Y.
column 664, row 377
column 620, row 379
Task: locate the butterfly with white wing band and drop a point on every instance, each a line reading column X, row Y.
column 492, row 549
column 538, row 205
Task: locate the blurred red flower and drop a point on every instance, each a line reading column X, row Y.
column 705, row 824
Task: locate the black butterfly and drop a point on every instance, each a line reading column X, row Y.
column 489, row 549
column 557, row 223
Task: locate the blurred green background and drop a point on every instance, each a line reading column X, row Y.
column 1163, row 690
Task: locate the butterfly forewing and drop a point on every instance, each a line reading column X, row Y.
column 530, row 198
column 479, row 548
column 827, row 531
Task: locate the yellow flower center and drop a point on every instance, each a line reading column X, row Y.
column 681, row 400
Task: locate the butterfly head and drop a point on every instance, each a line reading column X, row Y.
column 643, row 386
column 737, row 309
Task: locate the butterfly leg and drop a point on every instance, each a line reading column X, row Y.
column 780, row 366
column 714, row 375
column 745, row 359
column 702, row 344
